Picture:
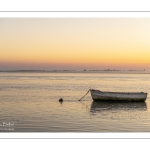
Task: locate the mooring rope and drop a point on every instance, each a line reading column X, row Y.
column 84, row 95
column 61, row 100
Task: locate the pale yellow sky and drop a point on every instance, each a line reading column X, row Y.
column 74, row 43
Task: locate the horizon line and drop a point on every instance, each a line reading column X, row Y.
column 42, row 70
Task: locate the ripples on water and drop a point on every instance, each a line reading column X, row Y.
column 30, row 101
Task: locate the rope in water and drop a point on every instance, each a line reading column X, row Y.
column 84, row 95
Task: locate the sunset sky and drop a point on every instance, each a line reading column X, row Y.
column 74, row 43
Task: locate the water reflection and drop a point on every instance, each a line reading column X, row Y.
column 100, row 106
column 61, row 102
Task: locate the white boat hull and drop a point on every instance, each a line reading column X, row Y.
column 117, row 96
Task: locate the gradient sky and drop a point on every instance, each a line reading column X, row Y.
column 74, row 43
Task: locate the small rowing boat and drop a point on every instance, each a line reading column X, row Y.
column 98, row 95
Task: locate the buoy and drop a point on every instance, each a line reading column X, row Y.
column 60, row 100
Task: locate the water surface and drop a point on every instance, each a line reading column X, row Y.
column 29, row 101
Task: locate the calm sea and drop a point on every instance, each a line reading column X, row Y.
column 29, row 102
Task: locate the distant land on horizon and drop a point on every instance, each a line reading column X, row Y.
column 84, row 70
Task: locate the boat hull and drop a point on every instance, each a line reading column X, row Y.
column 117, row 96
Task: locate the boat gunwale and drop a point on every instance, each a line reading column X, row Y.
column 98, row 91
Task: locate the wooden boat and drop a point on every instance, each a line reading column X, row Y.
column 98, row 95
